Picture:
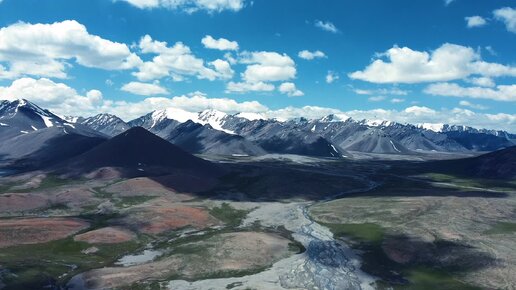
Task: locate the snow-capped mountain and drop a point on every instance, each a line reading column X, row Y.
column 22, row 117
column 107, row 124
column 215, row 132
column 198, row 132
column 391, row 137
column 31, row 136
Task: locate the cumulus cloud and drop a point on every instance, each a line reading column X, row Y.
column 242, row 87
column 221, row 44
column 144, row 89
column 505, row 93
column 475, row 21
column 326, row 26
column 57, row 97
column 397, row 100
column 331, row 77
column 383, row 91
column 176, row 62
column 64, row 100
column 223, row 68
column 189, row 5
column 508, row 16
column 471, row 105
column 48, row 49
column 263, row 68
column 482, row 81
column 290, row 90
column 448, row 62
column 195, row 102
column 376, row 98
column 457, row 116
column 310, row 55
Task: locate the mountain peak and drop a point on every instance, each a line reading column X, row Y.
column 139, row 149
column 250, row 116
column 334, row 118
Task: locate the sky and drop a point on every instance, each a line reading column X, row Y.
column 425, row 61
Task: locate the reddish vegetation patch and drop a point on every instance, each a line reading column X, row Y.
column 75, row 196
column 104, row 173
column 19, row 202
column 400, row 250
column 162, row 216
column 144, row 186
column 37, row 230
column 109, row 235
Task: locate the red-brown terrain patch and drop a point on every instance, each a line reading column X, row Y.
column 162, row 215
column 11, row 203
column 37, row 230
column 109, row 235
column 144, row 186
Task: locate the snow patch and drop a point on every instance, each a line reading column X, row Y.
column 251, row 116
column 394, row 146
column 215, row 119
column 436, row 127
column 47, row 121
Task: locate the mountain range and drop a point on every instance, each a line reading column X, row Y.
column 31, row 135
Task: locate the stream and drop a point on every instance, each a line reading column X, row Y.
column 326, row 264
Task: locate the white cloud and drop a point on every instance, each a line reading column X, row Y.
column 64, row 100
column 195, row 102
column 491, row 50
column 397, row 100
column 448, row 62
column 309, row 112
column 376, row 98
column 326, row 26
column 268, row 66
column 221, row 44
column 144, row 89
column 189, row 5
column 223, row 68
column 482, row 82
column 48, row 49
column 310, row 55
column 263, row 67
column 176, row 62
column 457, row 116
column 57, row 97
column 471, row 105
column 475, row 21
column 500, row 93
column 383, row 91
column 243, row 87
column 290, row 90
column 508, row 16
column 331, row 77
column 448, row 2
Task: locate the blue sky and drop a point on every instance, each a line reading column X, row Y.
column 430, row 58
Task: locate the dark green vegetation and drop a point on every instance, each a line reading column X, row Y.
column 282, row 181
column 502, row 228
column 227, row 214
column 368, row 238
column 47, row 262
column 366, row 233
column 128, row 201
